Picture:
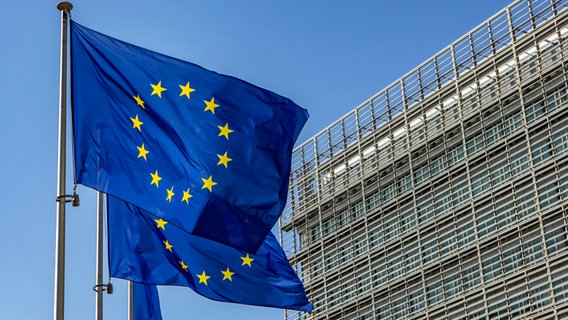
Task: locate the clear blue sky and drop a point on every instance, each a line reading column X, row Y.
column 326, row 55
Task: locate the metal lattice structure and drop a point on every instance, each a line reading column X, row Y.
column 444, row 195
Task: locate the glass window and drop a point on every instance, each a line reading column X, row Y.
column 532, row 251
column 421, row 174
column 564, row 187
column 416, row 301
column 443, row 202
column 430, row 250
column 407, row 220
column 560, row 140
column 453, row 285
column 461, row 192
column 541, row 151
column 434, row 293
column 512, row 260
column 519, row 304
column 425, row 213
column 438, row 165
column 412, row 260
column 480, row 183
column 492, row 134
column 455, row 155
column 512, row 124
column 475, row 144
column 525, row 204
column 471, row 277
column 560, row 287
column 540, row 296
column 491, row 267
column 519, row 163
column 328, row 227
column 373, row 202
column 557, row 99
column 316, row 233
column 548, row 194
column 405, row 183
column 485, row 225
column 389, row 192
column 500, row 171
column 555, row 241
column 534, row 111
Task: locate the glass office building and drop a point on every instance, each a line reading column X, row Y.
column 445, row 195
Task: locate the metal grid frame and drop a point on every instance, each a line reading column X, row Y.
column 409, row 203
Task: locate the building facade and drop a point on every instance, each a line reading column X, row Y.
column 445, row 195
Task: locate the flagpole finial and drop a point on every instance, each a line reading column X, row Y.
column 64, row 6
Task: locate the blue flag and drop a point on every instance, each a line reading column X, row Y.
column 146, row 302
column 147, row 249
column 204, row 151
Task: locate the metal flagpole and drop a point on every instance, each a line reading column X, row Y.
column 59, row 294
column 99, row 260
column 130, row 300
column 99, row 287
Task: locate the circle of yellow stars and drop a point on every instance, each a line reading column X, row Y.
column 208, row 183
column 209, row 106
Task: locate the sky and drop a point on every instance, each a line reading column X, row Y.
column 328, row 56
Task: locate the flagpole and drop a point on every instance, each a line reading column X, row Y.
column 130, row 300
column 99, row 258
column 59, row 294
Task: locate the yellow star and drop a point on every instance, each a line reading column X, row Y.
column 224, row 159
column 142, row 152
column 225, row 131
column 155, row 178
column 227, row 274
column 168, row 245
column 139, row 100
column 208, row 183
column 186, row 196
column 210, row 105
column 161, row 223
column 203, row 278
column 157, row 89
column 186, row 90
column 136, row 123
column 247, row 260
column 170, row 194
column 183, row 265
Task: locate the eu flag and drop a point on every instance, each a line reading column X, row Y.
column 146, row 302
column 204, row 151
column 148, row 249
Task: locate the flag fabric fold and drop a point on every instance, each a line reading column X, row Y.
column 146, row 302
column 207, row 152
column 147, row 249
